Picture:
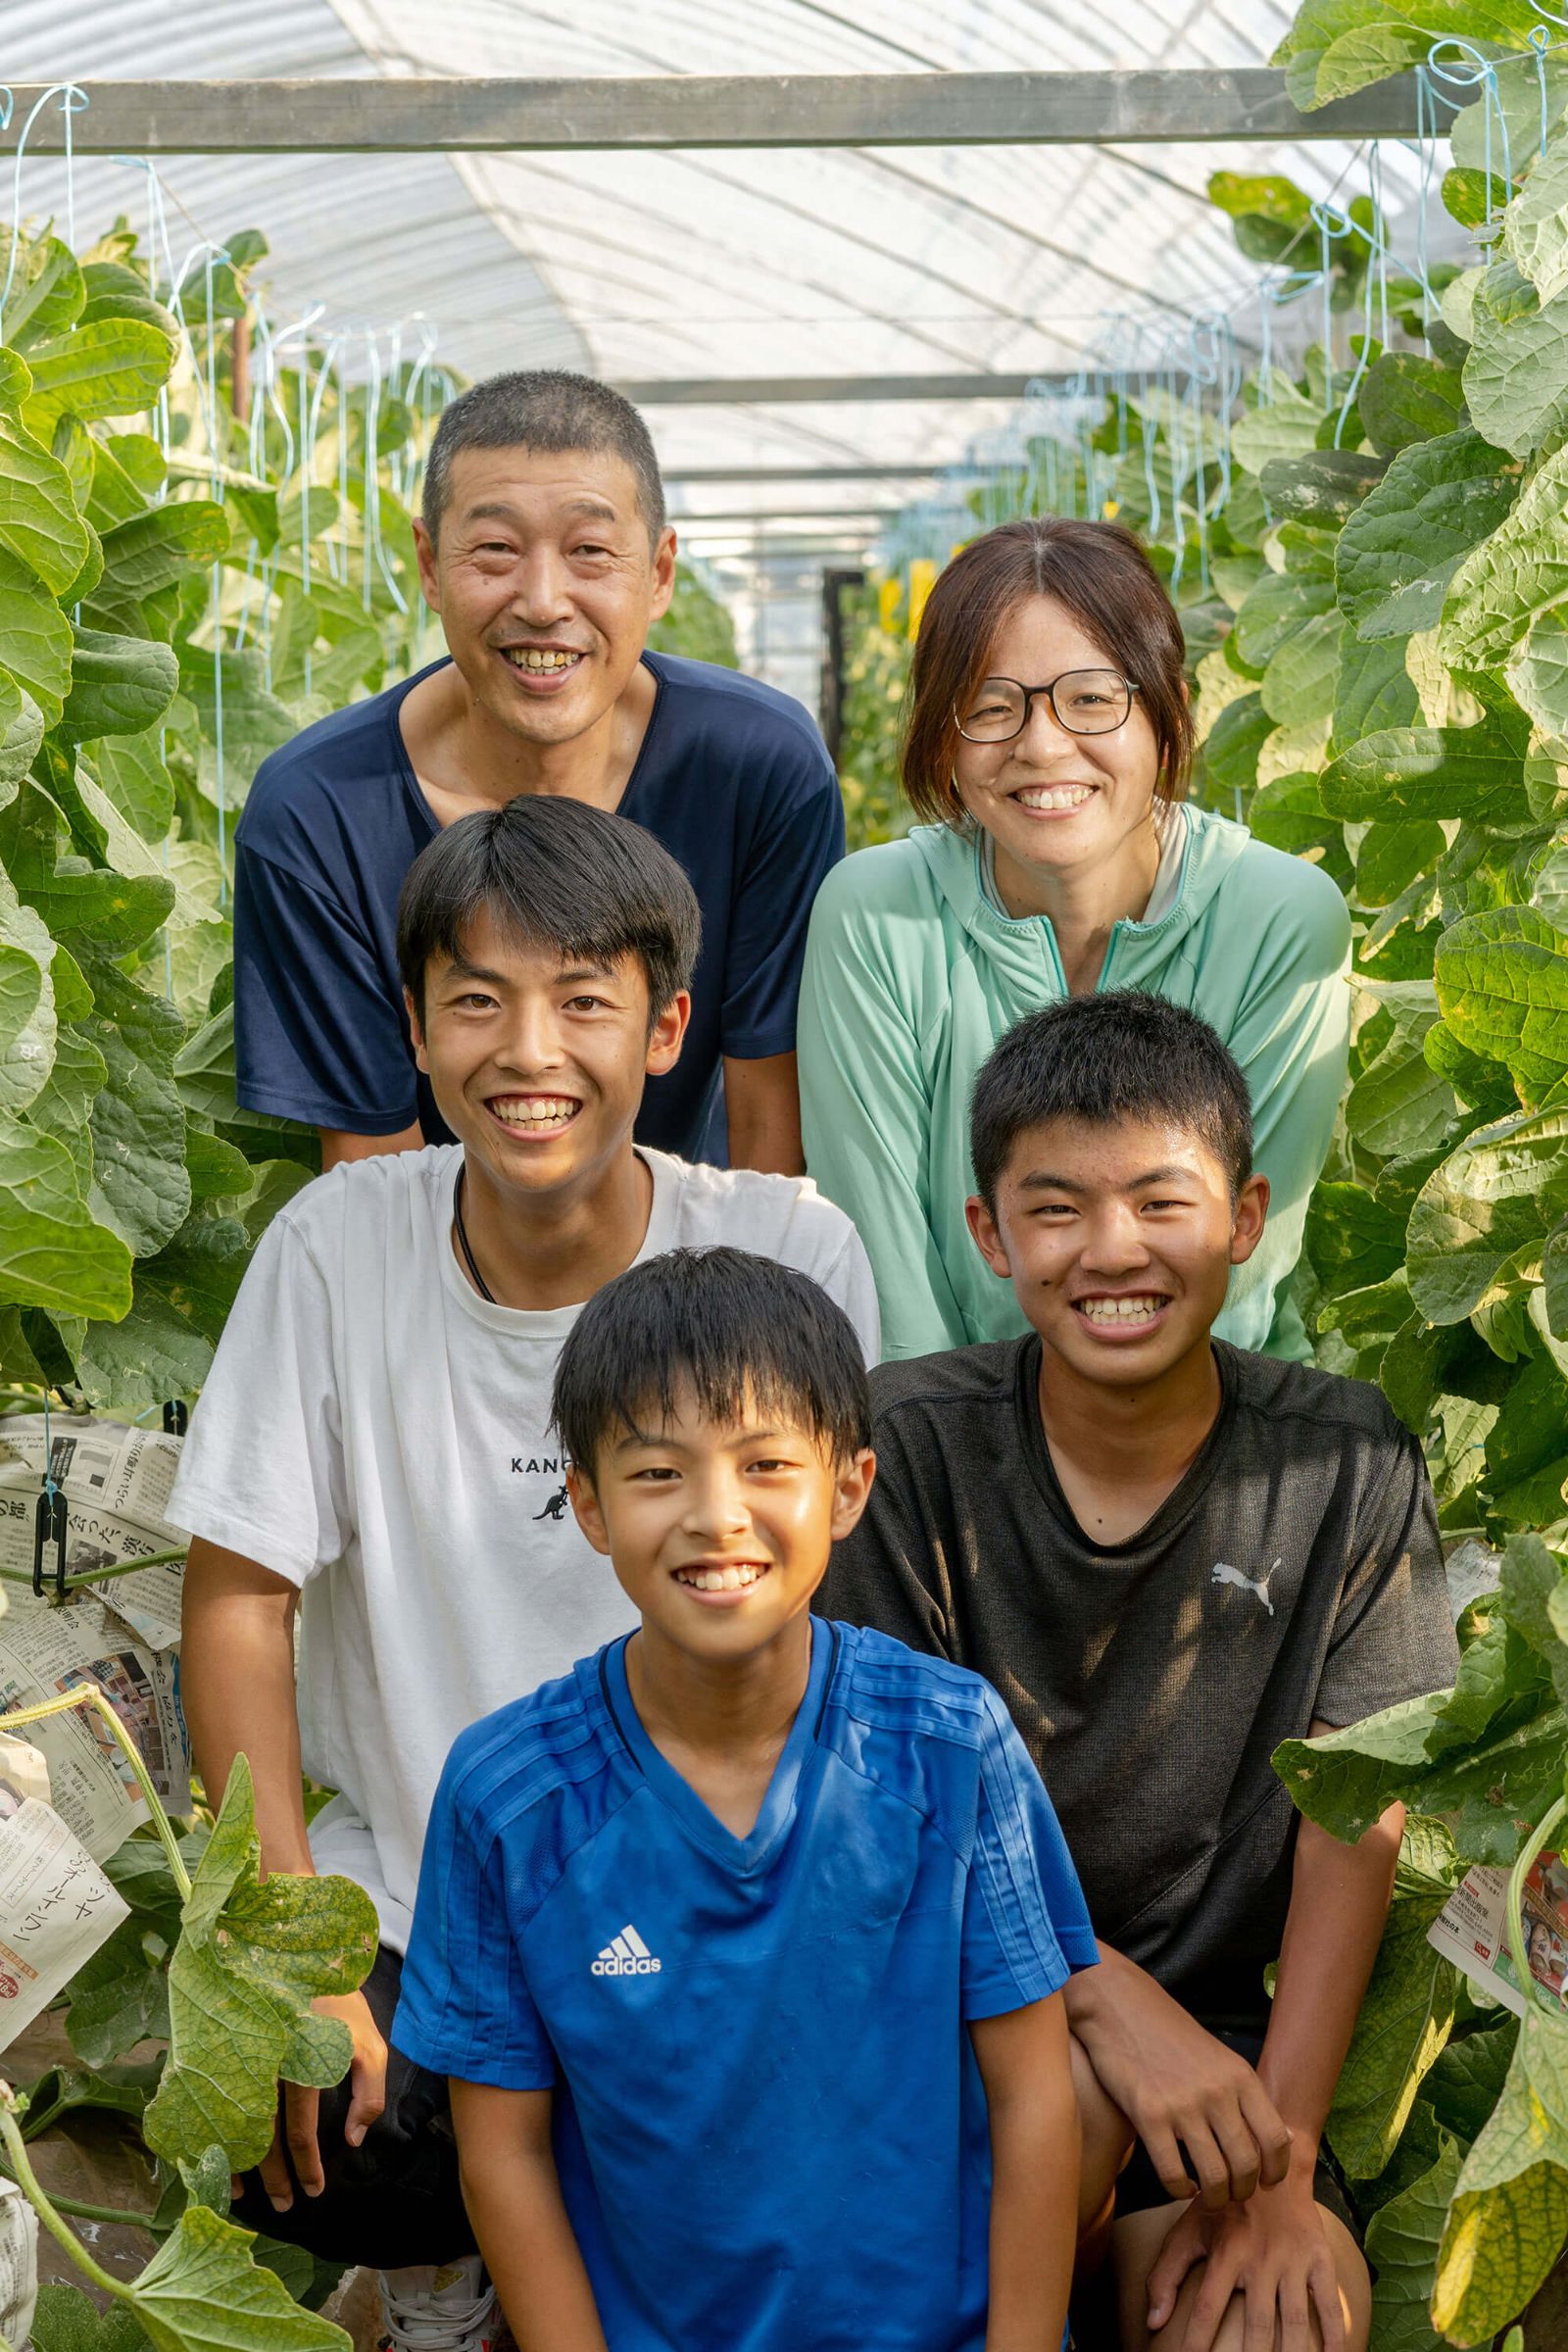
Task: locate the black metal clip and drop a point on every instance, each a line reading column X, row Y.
column 177, row 1418
column 49, row 1522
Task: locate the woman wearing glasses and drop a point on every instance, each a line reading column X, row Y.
column 1046, row 747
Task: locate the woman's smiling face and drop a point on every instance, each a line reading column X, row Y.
column 1052, row 801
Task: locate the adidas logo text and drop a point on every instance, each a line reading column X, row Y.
column 626, row 1956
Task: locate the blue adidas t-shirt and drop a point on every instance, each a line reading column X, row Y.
column 732, row 777
column 769, row 2120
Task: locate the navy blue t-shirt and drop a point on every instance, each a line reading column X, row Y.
column 732, row 777
column 769, row 2120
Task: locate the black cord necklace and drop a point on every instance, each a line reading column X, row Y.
column 461, row 1231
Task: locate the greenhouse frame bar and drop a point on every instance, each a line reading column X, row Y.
column 395, row 114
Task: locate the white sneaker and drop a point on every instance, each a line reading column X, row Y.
column 446, row 2307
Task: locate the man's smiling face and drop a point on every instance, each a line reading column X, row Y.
column 545, row 583
column 536, row 1061
column 1118, row 1240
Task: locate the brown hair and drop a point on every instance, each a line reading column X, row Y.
column 1101, row 574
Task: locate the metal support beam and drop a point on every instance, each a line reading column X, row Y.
column 413, row 114
column 918, row 470
column 731, row 391
column 764, row 513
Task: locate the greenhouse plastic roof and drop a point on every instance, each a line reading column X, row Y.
column 639, row 265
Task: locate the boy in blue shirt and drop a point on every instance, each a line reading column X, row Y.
column 743, row 1945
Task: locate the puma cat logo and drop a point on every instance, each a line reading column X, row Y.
column 556, row 1507
column 1226, row 1575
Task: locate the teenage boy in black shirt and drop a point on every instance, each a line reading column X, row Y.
column 1168, row 1555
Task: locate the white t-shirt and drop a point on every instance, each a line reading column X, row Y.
column 379, row 1435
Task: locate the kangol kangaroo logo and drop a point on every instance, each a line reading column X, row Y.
column 1224, row 1574
column 556, row 1507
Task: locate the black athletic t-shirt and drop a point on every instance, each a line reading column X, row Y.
column 1295, row 1573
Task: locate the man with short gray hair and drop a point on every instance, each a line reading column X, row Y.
column 545, row 551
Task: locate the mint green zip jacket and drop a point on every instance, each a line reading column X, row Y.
column 912, row 975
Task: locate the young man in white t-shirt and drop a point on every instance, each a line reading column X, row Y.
column 374, row 1449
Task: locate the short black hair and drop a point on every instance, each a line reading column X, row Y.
column 736, row 1327
column 1117, row 1056
column 544, row 409
column 554, row 873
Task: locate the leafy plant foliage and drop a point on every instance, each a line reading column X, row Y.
column 167, row 617
column 1376, row 606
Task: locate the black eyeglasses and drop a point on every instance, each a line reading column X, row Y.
column 1086, row 701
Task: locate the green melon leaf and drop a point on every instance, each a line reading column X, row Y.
column 1492, row 1788
column 138, row 1119
column 216, row 1170
column 119, row 686
column 1496, row 1195
column 1513, row 577
column 1515, row 88
column 133, row 1366
column 255, row 721
column 1535, row 229
column 1403, row 544
column 202, row 2292
column 1432, row 773
column 252, row 1957
column 1401, row 2243
column 1404, row 2024
column 1400, row 1106
column 66, row 2319
column 1286, row 427
column 118, row 1998
column 20, row 738
column 1509, row 2215
column 47, row 290
column 131, row 774
column 1502, row 984
column 1515, row 383
column 1302, row 674
column 1465, row 2084
column 1390, row 854
column 205, row 1068
column 114, row 368
column 53, row 1253
column 111, row 911
column 123, row 480
column 35, row 640
column 196, row 1277
column 1274, row 610
column 158, row 546
column 1475, row 198
column 1538, row 674
column 38, row 518
column 1335, row 47
column 1325, row 486
column 1406, row 398
column 1288, row 813
column 1227, row 759
column 1527, row 1462
column 1375, row 690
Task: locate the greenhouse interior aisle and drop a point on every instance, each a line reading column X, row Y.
column 1282, row 292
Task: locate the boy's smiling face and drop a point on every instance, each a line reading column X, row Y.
column 537, row 1061
column 720, row 1532
column 1118, row 1241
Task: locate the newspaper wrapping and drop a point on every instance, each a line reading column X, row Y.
column 19, row 2264
column 46, row 1651
column 56, row 1909
column 117, row 1482
column 24, row 1773
column 1471, row 1931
